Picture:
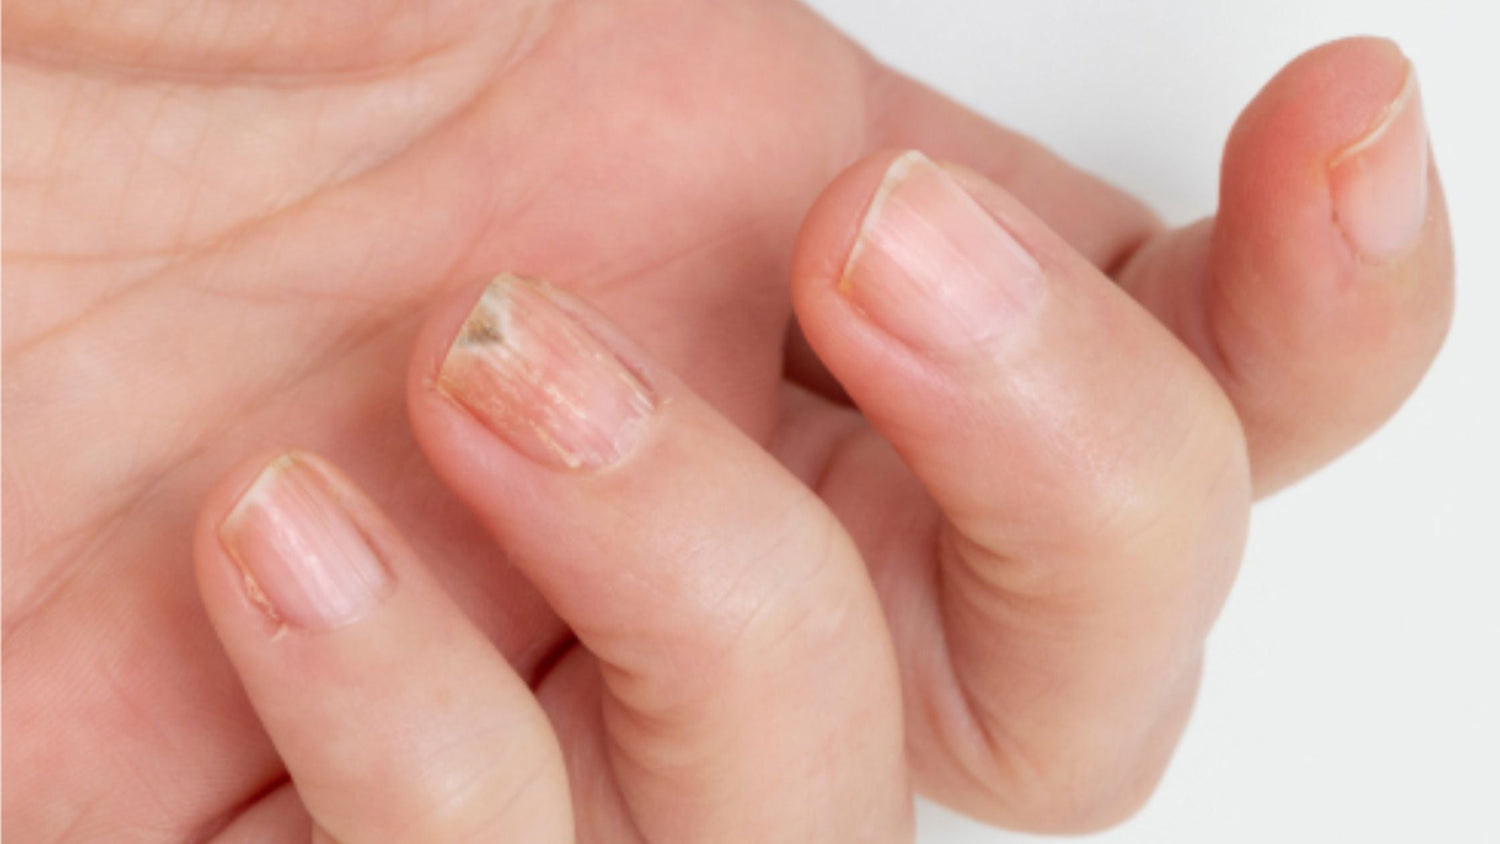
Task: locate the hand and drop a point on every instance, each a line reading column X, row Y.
column 172, row 308
column 222, row 237
column 735, row 680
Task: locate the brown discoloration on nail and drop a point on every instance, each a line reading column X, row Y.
column 481, row 327
column 542, row 381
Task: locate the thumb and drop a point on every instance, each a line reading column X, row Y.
column 1322, row 290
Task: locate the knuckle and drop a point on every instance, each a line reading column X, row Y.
column 1070, row 786
column 773, row 599
column 472, row 802
column 772, row 607
column 1071, row 802
column 1187, row 467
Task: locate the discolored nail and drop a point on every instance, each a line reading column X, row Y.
column 539, row 379
column 1379, row 181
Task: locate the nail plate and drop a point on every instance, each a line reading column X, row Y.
column 542, row 381
column 305, row 562
column 1379, row 182
column 933, row 267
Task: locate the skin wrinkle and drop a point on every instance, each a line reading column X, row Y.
column 227, row 239
column 196, row 195
column 142, row 149
column 998, row 763
column 183, row 254
column 13, row 255
column 1003, row 759
column 958, row 735
column 52, row 58
column 747, row 621
column 39, row 598
column 59, row 578
column 210, row 829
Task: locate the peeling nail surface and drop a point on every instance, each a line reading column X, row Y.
column 541, row 381
column 304, row 561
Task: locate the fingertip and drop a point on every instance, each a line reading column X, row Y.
column 1330, row 269
column 364, row 673
column 1274, row 185
column 865, row 362
column 227, row 596
column 690, row 565
column 832, row 224
column 1331, row 157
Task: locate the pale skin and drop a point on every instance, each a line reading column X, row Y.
column 249, row 229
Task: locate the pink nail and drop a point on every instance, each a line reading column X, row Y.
column 541, row 381
column 305, row 561
column 934, row 268
column 1379, row 182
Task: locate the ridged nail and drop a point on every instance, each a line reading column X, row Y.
column 932, row 267
column 305, row 561
column 540, row 380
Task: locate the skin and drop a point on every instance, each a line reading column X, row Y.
column 222, row 235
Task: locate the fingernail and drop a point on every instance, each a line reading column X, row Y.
column 934, row 268
column 305, row 562
column 541, row 381
column 1379, row 182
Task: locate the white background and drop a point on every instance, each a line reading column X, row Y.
column 1353, row 687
